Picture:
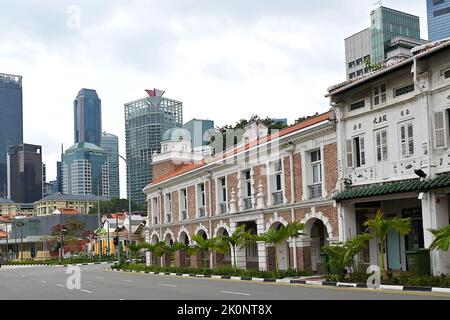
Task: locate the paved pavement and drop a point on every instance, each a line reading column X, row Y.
column 50, row 283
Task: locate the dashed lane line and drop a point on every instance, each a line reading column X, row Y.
column 237, row 293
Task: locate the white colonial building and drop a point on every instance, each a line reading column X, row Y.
column 393, row 131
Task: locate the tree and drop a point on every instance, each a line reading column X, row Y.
column 203, row 246
column 237, row 239
column 342, row 255
column 277, row 236
column 381, row 227
column 441, row 240
column 116, row 205
column 372, row 66
column 301, row 119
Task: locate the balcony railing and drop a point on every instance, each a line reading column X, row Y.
column 222, row 208
column 155, row 220
column 184, row 214
column 277, row 198
column 248, row 203
column 201, row 212
column 169, row 218
column 315, row 191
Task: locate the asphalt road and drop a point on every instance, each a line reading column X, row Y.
column 49, row 283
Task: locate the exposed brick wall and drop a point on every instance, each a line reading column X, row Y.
column 164, row 168
column 260, row 176
column 304, row 258
column 191, row 202
column 286, row 215
column 298, row 184
column 175, row 206
column 232, row 184
column 271, row 264
column 331, row 167
column 331, row 213
column 287, row 178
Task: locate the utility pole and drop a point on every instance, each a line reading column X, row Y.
column 118, row 239
column 21, row 224
column 99, row 222
column 7, row 244
column 130, row 234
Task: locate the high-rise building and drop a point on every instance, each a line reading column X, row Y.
column 146, row 120
column 199, row 131
column 110, row 144
column 438, row 12
column 85, row 170
column 392, row 34
column 59, row 181
column 11, row 121
column 87, row 110
column 25, row 173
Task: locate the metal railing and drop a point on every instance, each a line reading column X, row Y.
column 222, row 208
column 315, row 191
column 201, row 212
column 277, row 198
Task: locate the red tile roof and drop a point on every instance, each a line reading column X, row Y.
column 69, row 211
column 192, row 166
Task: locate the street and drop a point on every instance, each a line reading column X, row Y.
column 49, row 283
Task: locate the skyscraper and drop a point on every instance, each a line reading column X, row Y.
column 392, row 33
column 198, row 128
column 11, row 121
column 87, row 110
column 438, row 12
column 25, row 173
column 85, row 170
column 110, row 144
column 146, row 120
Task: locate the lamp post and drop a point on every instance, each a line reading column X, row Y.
column 21, row 224
column 99, row 221
column 129, row 206
column 61, row 250
column 7, row 244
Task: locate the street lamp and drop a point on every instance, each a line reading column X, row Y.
column 129, row 207
column 21, row 224
column 61, row 250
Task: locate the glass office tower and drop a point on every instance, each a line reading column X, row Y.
column 438, row 12
column 146, row 120
column 387, row 24
column 11, row 121
column 87, row 109
column 110, row 144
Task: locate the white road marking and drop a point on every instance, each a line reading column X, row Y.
column 167, row 285
column 43, row 281
column 60, row 285
column 238, row 293
column 32, row 279
column 127, row 280
column 87, row 291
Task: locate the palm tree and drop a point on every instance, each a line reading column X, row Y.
column 381, row 227
column 442, row 238
column 342, row 254
column 237, row 239
column 277, row 237
column 203, row 246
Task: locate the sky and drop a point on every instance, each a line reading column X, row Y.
column 225, row 60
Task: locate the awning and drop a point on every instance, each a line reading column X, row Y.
column 379, row 189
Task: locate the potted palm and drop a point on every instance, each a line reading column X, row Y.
column 237, row 239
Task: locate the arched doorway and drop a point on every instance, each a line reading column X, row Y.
column 156, row 261
column 282, row 249
column 203, row 256
column 222, row 259
column 169, row 257
column 183, row 259
column 319, row 239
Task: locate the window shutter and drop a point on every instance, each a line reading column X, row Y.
column 349, row 153
column 403, row 140
column 362, row 151
column 410, row 139
column 384, row 144
column 378, row 141
column 439, row 129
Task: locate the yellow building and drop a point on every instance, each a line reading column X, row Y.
column 49, row 204
column 7, row 207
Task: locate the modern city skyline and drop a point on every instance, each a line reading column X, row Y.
column 25, row 173
column 11, row 121
column 198, row 130
column 85, row 170
column 146, row 120
column 110, row 144
column 87, row 110
column 392, row 33
column 438, row 13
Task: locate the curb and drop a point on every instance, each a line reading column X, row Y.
column 298, row 281
column 55, row 265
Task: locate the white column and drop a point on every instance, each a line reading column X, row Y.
column 435, row 215
column 262, row 254
column 241, row 256
column 346, row 222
